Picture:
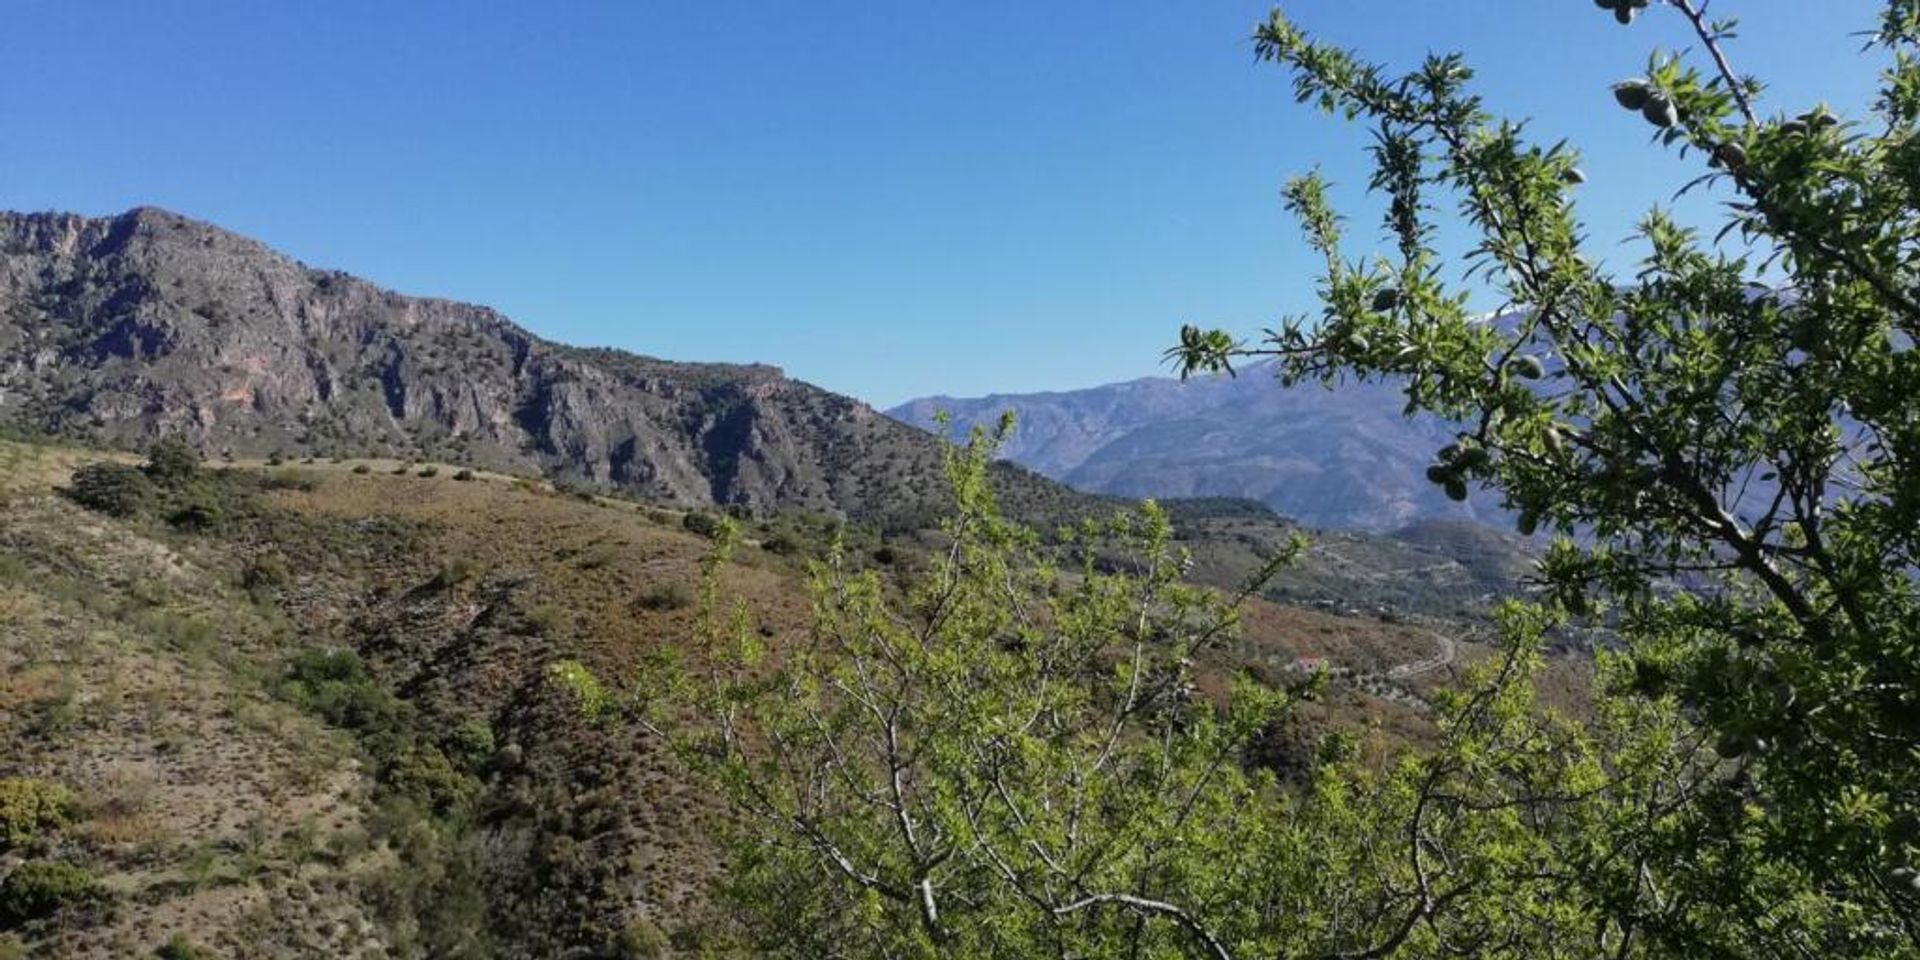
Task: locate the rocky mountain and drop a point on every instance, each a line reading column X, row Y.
column 1345, row 457
column 118, row 330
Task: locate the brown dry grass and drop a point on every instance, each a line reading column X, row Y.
column 121, row 662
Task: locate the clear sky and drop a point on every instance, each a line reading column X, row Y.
column 887, row 199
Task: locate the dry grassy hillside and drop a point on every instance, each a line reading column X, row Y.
column 328, row 709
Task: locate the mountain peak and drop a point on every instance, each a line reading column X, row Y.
column 125, row 328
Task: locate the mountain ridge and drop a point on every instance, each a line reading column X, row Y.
column 1345, row 458
column 124, row 328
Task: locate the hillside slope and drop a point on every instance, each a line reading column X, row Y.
column 322, row 713
column 120, row 329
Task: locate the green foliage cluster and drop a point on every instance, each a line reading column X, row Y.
column 290, row 479
column 810, row 536
column 39, row 889
column 666, row 595
column 433, row 902
column 1722, row 440
column 30, row 808
column 643, row 940
column 701, row 522
column 179, row 947
column 337, row 686
column 588, row 694
column 266, row 571
column 114, row 489
column 172, row 486
column 1011, row 761
column 1014, row 760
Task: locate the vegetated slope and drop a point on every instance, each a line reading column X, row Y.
column 120, row 329
column 471, row 795
column 124, row 329
column 1343, row 458
column 189, row 802
column 1450, row 570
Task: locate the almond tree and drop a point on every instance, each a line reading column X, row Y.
column 1008, row 757
column 1724, row 440
column 1012, row 759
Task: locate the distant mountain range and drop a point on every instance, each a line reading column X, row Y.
column 120, row 329
column 1345, row 457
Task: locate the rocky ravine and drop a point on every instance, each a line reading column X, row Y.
column 120, row 329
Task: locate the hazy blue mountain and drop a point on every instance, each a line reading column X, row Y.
column 1345, row 457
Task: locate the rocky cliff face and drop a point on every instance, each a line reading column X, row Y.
column 121, row 329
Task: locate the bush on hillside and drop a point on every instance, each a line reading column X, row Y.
column 114, row 489
column 197, row 507
column 702, row 523
column 665, row 596
column 30, row 807
column 269, row 570
column 172, row 461
column 643, row 940
column 39, row 889
column 337, row 685
column 178, row 947
column 303, row 480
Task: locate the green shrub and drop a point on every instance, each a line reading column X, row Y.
column 643, row 940
column 269, row 570
column 178, row 947
column 422, row 773
column 589, row 695
column 11, row 948
column 30, row 807
column 39, row 889
column 114, row 489
column 704, row 524
column 471, row 743
column 337, row 685
column 454, row 572
column 545, row 619
column 198, row 508
column 305, row 480
column 665, row 596
column 172, row 461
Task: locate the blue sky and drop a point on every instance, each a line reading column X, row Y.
column 886, row 199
